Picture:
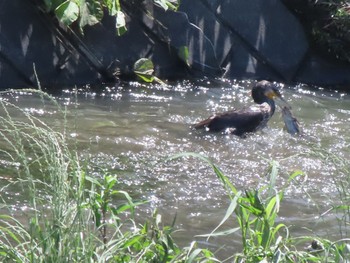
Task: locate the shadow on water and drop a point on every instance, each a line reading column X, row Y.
column 131, row 130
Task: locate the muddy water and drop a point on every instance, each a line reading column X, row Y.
column 132, row 129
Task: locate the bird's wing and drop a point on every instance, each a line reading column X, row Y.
column 245, row 120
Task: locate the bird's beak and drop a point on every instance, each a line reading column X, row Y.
column 276, row 95
column 282, row 103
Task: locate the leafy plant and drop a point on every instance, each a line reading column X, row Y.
column 167, row 4
column 144, row 69
column 100, row 202
column 341, row 180
column 90, row 12
column 263, row 239
column 328, row 25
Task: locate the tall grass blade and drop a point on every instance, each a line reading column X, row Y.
column 231, row 209
column 231, row 190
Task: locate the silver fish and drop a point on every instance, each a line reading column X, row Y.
column 290, row 122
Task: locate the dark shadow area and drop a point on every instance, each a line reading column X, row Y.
column 29, row 41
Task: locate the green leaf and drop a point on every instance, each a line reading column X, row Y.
column 341, row 207
column 145, row 78
column 130, row 242
column 93, row 180
column 128, row 206
column 120, row 23
column 277, row 228
column 158, row 80
column 90, row 13
column 256, row 205
column 167, row 4
column 221, row 233
column 183, row 54
column 162, row 4
column 173, row 5
column 113, row 7
column 67, row 12
column 272, row 208
column 110, row 181
column 229, row 212
column 52, row 4
column 226, row 182
column 294, row 175
column 143, row 68
column 13, row 235
column 194, row 255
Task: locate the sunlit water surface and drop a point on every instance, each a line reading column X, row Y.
column 132, row 129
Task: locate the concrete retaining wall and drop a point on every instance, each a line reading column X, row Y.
column 236, row 39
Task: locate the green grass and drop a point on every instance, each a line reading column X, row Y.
column 341, row 180
column 262, row 238
column 72, row 216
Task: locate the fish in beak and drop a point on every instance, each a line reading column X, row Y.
column 290, row 122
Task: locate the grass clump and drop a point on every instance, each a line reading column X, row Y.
column 52, row 177
column 71, row 216
column 263, row 238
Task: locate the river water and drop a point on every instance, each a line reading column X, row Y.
column 132, row 129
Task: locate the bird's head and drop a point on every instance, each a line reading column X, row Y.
column 265, row 91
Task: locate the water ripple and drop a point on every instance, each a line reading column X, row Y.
column 133, row 129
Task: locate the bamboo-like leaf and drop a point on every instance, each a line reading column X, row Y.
column 226, row 182
column 272, row 208
column 229, row 212
column 67, row 12
column 255, row 204
column 278, row 227
column 132, row 241
column 221, row 233
column 13, row 235
column 194, row 255
column 294, row 175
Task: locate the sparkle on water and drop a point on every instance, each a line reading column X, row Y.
column 133, row 128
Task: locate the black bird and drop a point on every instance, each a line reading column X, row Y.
column 247, row 120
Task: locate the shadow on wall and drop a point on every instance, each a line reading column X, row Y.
column 236, row 39
column 261, row 38
column 27, row 39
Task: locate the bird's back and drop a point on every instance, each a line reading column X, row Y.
column 238, row 122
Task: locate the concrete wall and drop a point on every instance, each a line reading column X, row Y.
column 236, row 39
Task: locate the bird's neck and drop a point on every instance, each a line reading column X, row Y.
column 272, row 105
